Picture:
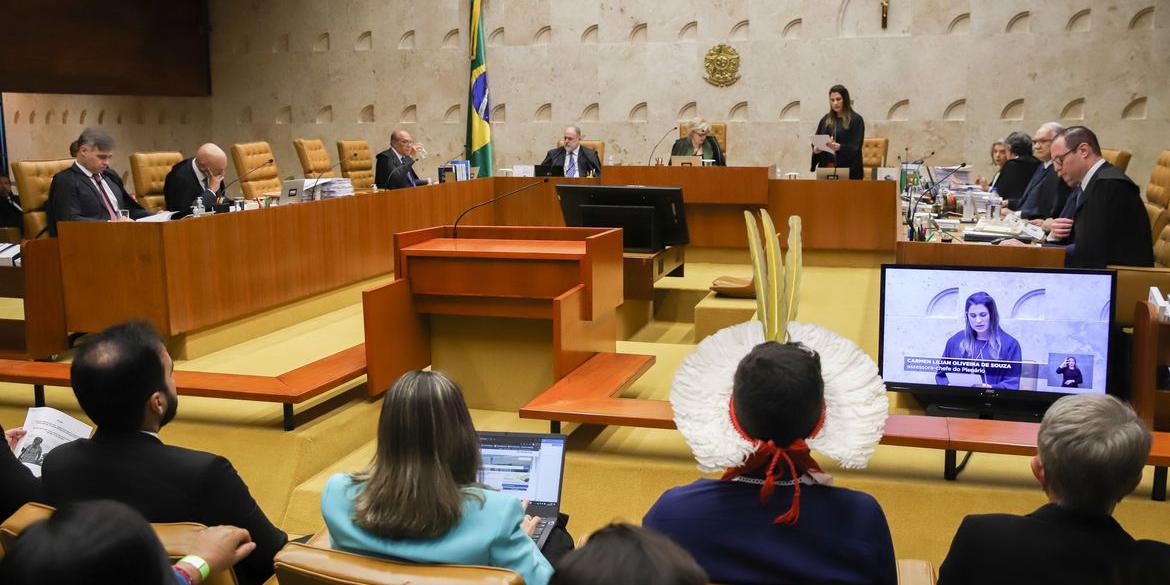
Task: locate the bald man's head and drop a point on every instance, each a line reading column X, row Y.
column 211, row 160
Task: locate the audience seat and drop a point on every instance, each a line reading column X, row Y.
column 598, row 145
column 357, row 163
column 176, row 538
column 315, row 563
column 1117, row 158
column 315, row 160
column 1158, row 189
column 873, row 155
column 265, row 179
column 718, row 130
column 33, row 178
column 149, row 170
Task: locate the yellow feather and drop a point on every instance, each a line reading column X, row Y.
column 775, row 325
column 794, row 266
column 757, row 267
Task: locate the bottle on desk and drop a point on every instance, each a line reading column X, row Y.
column 197, row 206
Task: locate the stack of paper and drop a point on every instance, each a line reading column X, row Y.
column 336, row 188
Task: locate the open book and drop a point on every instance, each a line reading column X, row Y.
column 47, row 428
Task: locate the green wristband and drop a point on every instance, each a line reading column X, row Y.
column 199, row 564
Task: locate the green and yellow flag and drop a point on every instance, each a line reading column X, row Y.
column 479, row 128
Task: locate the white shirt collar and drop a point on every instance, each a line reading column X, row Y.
column 83, row 169
column 155, row 435
column 573, row 151
column 199, row 174
column 1048, row 163
column 1089, row 175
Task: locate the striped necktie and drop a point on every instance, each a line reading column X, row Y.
column 104, row 196
column 571, row 167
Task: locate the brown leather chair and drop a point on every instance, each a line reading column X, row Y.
column 1117, row 158
column 1159, row 218
column 597, row 145
column 177, row 538
column 873, row 155
column 33, row 178
column 1162, row 248
column 315, row 563
column 315, row 161
column 251, row 156
column 1133, row 285
column 357, row 162
column 915, row 572
column 1158, row 189
column 718, row 130
column 150, row 175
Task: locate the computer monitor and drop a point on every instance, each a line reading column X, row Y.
column 988, row 339
column 650, row 217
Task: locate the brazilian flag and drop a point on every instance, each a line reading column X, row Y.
column 479, row 129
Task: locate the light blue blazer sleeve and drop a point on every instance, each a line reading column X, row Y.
column 487, row 534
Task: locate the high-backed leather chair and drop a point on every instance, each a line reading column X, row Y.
column 1158, row 189
column 873, row 155
column 265, row 179
column 1117, row 158
column 150, row 175
column 33, row 178
column 315, row 563
column 1159, row 218
column 357, row 162
column 598, row 145
column 1162, row 248
column 315, row 161
column 718, row 130
column 177, row 538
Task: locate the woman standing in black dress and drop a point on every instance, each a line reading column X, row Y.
column 847, row 130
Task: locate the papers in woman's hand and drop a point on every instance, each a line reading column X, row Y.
column 821, row 142
column 47, row 428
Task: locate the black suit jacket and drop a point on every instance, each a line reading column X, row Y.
column 1051, row 545
column 587, row 160
column 851, row 140
column 1014, row 178
column 182, row 187
column 1110, row 225
column 74, row 197
column 387, row 174
column 1047, row 198
column 165, row 484
column 682, row 147
column 11, row 214
column 18, row 486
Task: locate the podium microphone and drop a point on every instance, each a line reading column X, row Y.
column 651, row 160
column 245, row 175
column 455, row 228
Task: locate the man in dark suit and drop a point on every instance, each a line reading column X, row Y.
column 18, row 485
column 198, row 177
column 1109, row 223
column 395, row 167
column 11, row 214
column 1018, row 170
column 88, row 190
column 577, row 160
column 1046, row 193
column 124, row 381
column 1092, row 448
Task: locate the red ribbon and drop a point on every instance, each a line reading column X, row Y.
column 795, row 455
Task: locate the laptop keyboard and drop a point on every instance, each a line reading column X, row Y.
column 543, row 526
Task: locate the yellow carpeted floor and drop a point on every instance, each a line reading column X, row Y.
column 611, row 473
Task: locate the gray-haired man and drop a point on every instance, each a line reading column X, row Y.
column 1092, row 448
column 88, row 190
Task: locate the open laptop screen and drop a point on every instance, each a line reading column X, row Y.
column 527, row 466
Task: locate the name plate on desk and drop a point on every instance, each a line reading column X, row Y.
column 734, row 185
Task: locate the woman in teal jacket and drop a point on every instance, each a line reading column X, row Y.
column 418, row 500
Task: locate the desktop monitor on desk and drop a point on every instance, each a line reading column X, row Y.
column 995, row 341
column 651, row 218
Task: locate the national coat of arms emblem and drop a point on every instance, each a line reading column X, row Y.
column 722, row 65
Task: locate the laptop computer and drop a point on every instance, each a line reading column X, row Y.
column 686, row 161
column 548, row 171
column 529, row 466
column 833, row 173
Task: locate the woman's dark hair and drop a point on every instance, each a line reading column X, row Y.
column 967, row 344
column 428, row 454
column 846, row 107
column 623, row 553
column 778, row 392
column 89, row 543
column 1019, row 143
column 116, row 371
column 994, row 145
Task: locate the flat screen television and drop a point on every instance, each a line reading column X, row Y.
column 995, row 338
column 651, row 218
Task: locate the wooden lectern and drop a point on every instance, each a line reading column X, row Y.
column 507, row 311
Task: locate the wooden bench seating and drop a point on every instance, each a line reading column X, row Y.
column 290, row 388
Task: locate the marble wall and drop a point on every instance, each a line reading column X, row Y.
column 945, row 75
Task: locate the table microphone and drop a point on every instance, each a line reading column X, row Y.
column 245, row 175
column 651, row 161
column 914, row 204
column 455, row 227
